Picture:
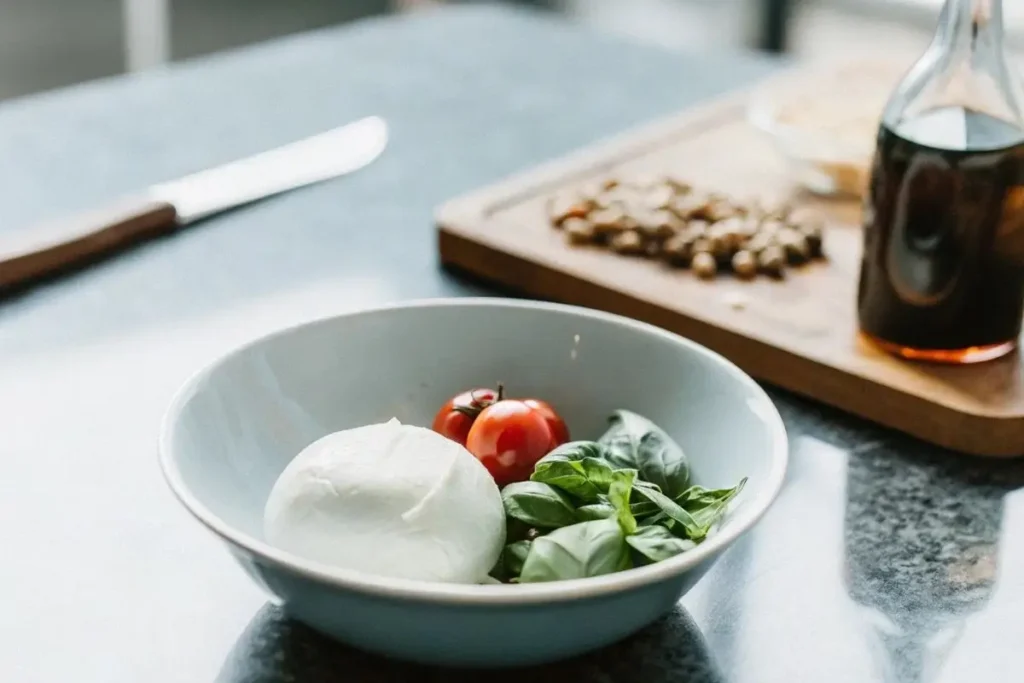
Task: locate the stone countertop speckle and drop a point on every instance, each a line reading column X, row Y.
column 884, row 559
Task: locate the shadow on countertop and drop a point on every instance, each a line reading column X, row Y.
column 275, row 649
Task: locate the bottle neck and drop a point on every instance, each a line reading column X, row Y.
column 976, row 24
column 966, row 65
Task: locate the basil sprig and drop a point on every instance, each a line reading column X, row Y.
column 598, row 507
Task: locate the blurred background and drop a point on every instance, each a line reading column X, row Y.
column 51, row 43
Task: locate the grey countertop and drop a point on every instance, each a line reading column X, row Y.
column 883, row 560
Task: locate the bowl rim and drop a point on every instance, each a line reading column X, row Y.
column 740, row 520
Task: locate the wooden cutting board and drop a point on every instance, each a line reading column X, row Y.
column 799, row 333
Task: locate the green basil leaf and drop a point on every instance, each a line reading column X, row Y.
column 691, row 528
column 659, row 518
column 588, row 513
column 622, row 438
column 643, row 508
column 661, row 462
column 586, row 479
column 656, row 543
column 574, row 450
column 648, row 485
column 709, row 515
column 567, row 476
column 578, row 468
column 697, row 497
column 642, row 511
column 577, row 552
column 538, row 505
column 599, row 472
column 514, row 556
column 618, row 495
column 632, row 441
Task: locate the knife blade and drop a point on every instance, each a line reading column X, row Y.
column 43, row 250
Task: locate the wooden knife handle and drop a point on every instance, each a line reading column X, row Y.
column 46, row 249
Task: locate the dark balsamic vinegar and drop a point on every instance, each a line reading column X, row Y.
column 942, row 274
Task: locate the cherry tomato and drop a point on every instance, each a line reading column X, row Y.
column 457, row 415
column 509, row 438
column 559, row 430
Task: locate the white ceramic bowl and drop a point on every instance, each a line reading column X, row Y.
column 235, row 425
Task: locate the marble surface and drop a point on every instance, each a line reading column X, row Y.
column 884, row 560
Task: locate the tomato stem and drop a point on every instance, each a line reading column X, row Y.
column 477, row 404
column 469, row 411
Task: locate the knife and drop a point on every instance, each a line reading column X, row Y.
column 164, row 208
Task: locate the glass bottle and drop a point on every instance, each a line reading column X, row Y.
column 942, row 275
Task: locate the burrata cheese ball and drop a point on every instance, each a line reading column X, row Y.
column 390, row 500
